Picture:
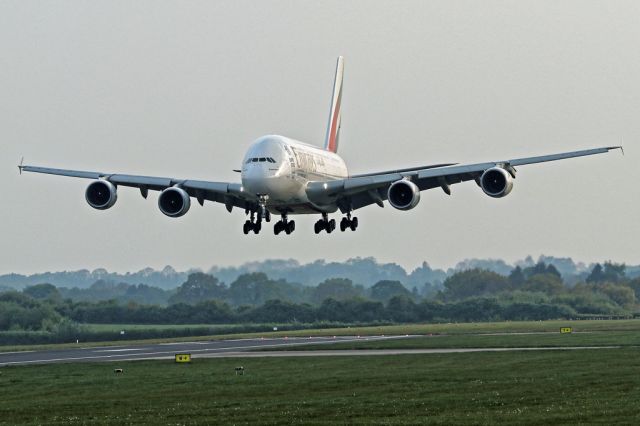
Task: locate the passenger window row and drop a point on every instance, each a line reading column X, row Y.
column 260, row 159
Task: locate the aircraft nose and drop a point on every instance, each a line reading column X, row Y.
column 258, row 180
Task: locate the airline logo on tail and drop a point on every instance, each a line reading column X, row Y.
column 333, row 128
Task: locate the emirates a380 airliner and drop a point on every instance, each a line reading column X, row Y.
column 284, row 177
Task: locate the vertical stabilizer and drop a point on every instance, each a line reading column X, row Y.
column 333, row 128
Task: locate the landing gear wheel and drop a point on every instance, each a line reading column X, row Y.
column 277, row 228
column 354, row 224
column 246, row 227
column 257, row 227
column 290, row 227
column 317, row 227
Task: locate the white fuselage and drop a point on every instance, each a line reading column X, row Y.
column 280, row 168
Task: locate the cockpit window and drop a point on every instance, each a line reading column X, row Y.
column 260, row 159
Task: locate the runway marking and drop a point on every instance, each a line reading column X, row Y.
column 121, row 350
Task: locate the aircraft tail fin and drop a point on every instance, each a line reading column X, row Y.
column 333, row 127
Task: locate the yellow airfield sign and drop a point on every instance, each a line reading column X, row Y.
column 182, row 358
column 565, row 330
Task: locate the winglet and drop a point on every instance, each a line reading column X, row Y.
column 20, row 166
column 333, row 127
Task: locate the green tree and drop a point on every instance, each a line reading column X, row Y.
column 516, row 277
column 402, row 309
column 611, row 272
column 256, row 288
column 541, row 268
column 44, row 291
column 546, row 283
column 386, row 289
column 198, row 288
column 472, row 283
column 621, row 294
column 337, row 289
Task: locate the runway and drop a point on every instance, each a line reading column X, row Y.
column 247, row 348
column 88, row 353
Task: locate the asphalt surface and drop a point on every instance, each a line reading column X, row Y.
column 230, row 348
column 88, row 353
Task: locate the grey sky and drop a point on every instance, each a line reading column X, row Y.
column 181, row 88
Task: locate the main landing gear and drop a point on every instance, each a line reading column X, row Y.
column 252, row 224
column 325, row 224
column 288, row 226
column 255, row 222
column 348, row 222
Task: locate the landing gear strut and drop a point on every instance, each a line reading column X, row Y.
column 288, row 226
column 325, row 224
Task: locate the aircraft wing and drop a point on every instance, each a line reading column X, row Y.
column 362, row 190
column 227, row 193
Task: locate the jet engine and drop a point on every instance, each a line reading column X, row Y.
column 403, row 195
column 496, row 182
column 101, row 194
column 174, row 202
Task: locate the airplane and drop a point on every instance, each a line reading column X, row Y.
column 282, row 176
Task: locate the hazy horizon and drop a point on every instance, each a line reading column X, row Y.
column 408, row 268
column 181, row 90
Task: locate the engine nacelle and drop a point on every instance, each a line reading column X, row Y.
column 174, row 202
column 101, row 194
column 403, row 194
column 496, row 182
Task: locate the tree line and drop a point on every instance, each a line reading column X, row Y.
column 533, row 293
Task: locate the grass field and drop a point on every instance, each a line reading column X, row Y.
column 458, row 328
column 600, row 386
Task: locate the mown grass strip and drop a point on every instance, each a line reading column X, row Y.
column 547, row 387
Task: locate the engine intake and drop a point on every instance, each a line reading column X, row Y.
column 496, row 182
column 403, row 195
column 101, row 194
column 174, row 202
